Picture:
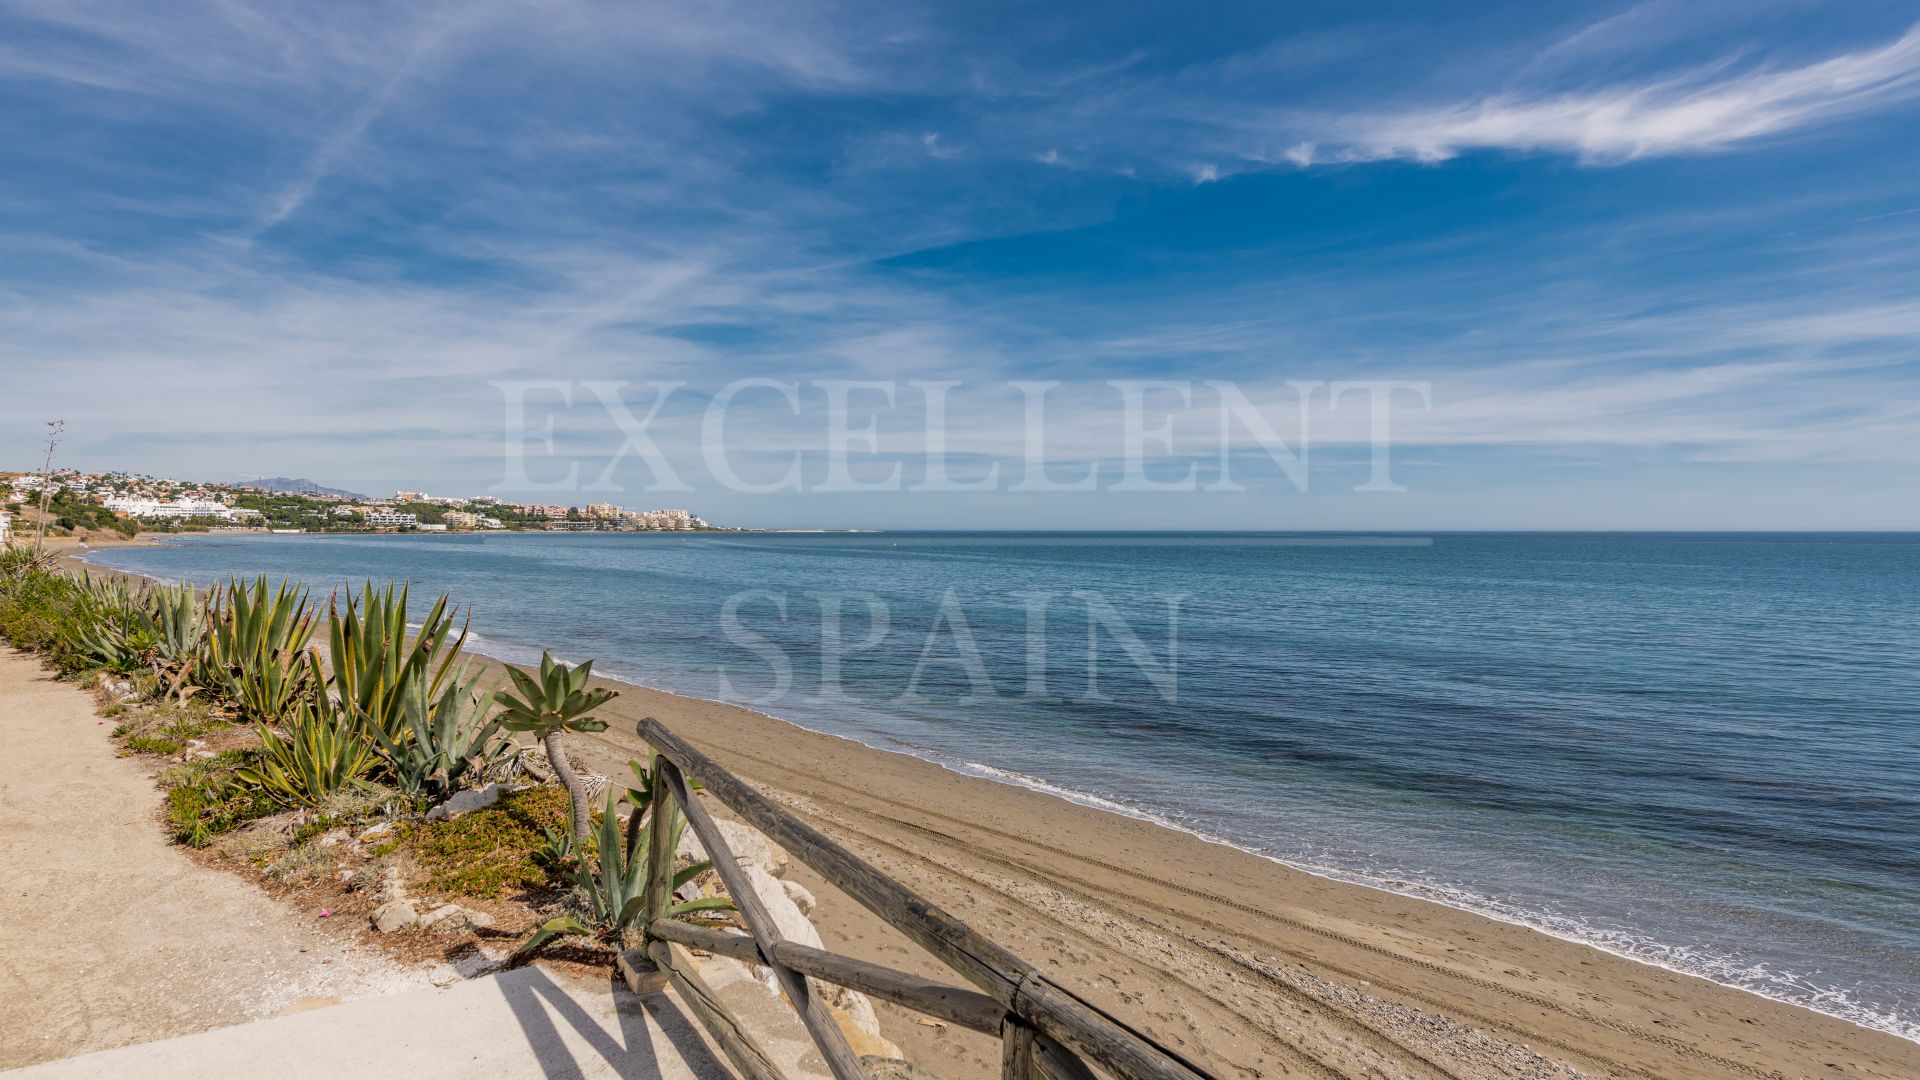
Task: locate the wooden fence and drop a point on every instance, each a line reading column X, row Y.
column 1046, row 1031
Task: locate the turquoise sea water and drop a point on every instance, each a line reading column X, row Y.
column 1699, row 750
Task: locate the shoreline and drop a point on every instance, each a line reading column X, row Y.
column 1274, row 930
column 1103, row 805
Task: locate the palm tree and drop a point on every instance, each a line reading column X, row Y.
column 557, row 701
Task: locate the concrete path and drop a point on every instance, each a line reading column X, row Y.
column 522, row 1023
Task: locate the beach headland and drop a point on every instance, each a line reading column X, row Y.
column 1252, row 967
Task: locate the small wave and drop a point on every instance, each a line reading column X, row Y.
column 1722, row 969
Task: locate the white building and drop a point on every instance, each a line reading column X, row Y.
column 387, row 519
column 6, row 528
column 145, row 508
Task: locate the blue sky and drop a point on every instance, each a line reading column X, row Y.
column 1657, row 262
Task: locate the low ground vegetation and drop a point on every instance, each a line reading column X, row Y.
column 320, row 773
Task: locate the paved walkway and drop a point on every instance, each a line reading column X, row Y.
column 522, row 1023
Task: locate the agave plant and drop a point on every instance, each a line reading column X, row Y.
column 22, row 561
column 320, row 752
column 441, row 741
column 179, row 620
column 640, row 797
column 124, row 630
column 558, row 700
column 122, row 640
column 374, row 664
column 106, row 593
column 257, row 651
column 616, row 889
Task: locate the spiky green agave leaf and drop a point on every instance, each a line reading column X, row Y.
column 558, row 697
column 320, row 752
column 256, row 653
column 375, row 664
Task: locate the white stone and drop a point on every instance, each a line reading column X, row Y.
column 468, row 801
column 855, row 1010
column 394, row 915
column 798, row 893
column 444, row 911
column 392, row 885
column 748, row 846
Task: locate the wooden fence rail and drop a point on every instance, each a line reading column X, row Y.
column 1047, row 1032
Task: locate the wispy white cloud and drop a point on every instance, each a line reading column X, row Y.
column 1706, row 109
column 584, row 193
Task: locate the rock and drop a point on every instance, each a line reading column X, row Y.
column 787, row 917
column 439, row 914
column 689, row 891
column 471, row 962
column 376, row 832
column 798, row 893
column 895, row 1068
column 464, row 802
column 852, row 1010
column 748, row 846
column 394, row 915
column 452, row 918
column 392, row 885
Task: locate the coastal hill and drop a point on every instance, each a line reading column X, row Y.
column 299, row 486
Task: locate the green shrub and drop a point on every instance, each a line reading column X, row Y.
column 196, row 813
column 111, row 628
column 376, row 669
column 40, row 610
column 153, row 744
column 303, row 863
column 487, row 852
column 615, row 885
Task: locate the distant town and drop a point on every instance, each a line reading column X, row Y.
column 76, row 502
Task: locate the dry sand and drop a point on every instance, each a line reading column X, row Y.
column 1252, row 968
column 110, row 937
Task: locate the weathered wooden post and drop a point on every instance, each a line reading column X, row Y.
column 1016, row 1049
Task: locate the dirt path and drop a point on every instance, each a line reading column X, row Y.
column 108, row 936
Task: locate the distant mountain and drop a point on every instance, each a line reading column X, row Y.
column 302, row 486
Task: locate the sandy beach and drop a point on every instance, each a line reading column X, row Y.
column 1255, row 968
column 1251, row 967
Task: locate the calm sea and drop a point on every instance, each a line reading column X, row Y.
column 1699, row 750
